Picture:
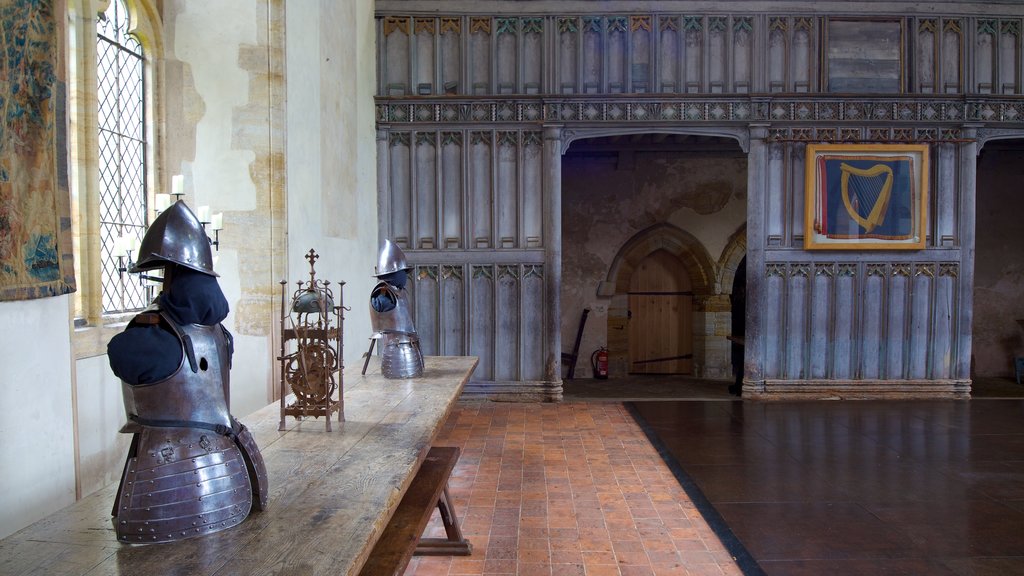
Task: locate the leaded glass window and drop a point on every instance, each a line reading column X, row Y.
column 122, row 156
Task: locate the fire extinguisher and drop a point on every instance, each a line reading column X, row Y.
column 599, row 362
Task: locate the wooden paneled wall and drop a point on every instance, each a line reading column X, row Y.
column 464, row 189
column 470, row 187
column 680, row 53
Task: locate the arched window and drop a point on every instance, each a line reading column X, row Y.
column 122, row 157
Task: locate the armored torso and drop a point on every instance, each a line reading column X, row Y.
column 192, row 468
column 389, row 310
column 197, row 393
column 393, row 325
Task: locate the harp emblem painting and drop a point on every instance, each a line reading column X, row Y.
column 866, row 200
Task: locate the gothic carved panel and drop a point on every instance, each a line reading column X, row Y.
column 682, row 53
column 890, row 321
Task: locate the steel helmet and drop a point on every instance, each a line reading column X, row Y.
column 391, row 259
column 176, row 236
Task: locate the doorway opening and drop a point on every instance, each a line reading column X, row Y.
column 998, row 314
column 649, row 228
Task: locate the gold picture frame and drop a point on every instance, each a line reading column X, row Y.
column 866, row 196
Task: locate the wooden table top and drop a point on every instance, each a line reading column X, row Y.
column 331, row 493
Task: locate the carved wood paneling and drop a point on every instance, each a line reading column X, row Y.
column 502, row 197
column 866, row 320
column 463, row 97
column 401, row 195
column 452, row 306
column 424, row 191
column 682, row 53
column 482, row 319
column 426, row 294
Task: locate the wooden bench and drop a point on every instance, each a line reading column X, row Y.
column 402, row 537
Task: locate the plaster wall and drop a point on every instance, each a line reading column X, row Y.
column 999, row 265
column 332, row 190
column 224, row 70
column 37, row 455
column 99, row 413
column 605, row 203
column 221, row 80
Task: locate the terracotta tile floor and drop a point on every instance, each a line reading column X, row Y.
column 568, row 489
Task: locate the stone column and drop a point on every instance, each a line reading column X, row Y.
column 968, row 196
column 553, row 257
column 757, row 193
column 83, row 163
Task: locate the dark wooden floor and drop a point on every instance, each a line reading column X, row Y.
column 854, row 487
column 659, row 387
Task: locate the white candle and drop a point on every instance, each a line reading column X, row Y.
column 217, row 221
column 203, row 214
column 177, row 185
column 133, row 243
column 163, row 202
column 121, row 246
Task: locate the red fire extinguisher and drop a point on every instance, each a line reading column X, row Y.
column 599, row 362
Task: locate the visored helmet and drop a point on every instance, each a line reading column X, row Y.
column 176, row 236
column 391, row 259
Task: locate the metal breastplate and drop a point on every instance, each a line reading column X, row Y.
column 399, row 318
column 192, row 469
column 197, row 393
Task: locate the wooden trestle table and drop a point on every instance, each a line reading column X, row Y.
column 331, row 493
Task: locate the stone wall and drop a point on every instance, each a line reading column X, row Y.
column 611, row 198
column 999, row 266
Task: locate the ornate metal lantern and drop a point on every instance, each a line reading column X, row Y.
column 312, row 364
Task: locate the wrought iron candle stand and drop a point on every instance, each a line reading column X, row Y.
column 312, row 363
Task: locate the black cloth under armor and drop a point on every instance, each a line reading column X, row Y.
column 142, row 354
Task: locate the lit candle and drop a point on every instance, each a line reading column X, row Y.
column 203, row 213
column 217, row 221
column 163, row 202
column 177, row 185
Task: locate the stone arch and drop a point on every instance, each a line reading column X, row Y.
column 681, row 244
column 700, row 268
column 728, row 263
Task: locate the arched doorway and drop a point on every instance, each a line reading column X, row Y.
column 659, row 260
column 660, row 316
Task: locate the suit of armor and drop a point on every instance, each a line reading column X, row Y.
column 392, row 325
column 192, row 468
column 391, row 317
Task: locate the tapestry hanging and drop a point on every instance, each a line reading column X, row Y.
column 35, row 219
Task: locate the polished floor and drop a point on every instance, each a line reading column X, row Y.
column 740, row 487
column 848, row 488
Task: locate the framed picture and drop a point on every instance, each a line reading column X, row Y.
column 866, row 196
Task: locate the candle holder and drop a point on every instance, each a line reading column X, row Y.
column 217, row 227
column 121, row 266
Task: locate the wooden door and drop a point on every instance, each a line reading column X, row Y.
column 661, row 317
